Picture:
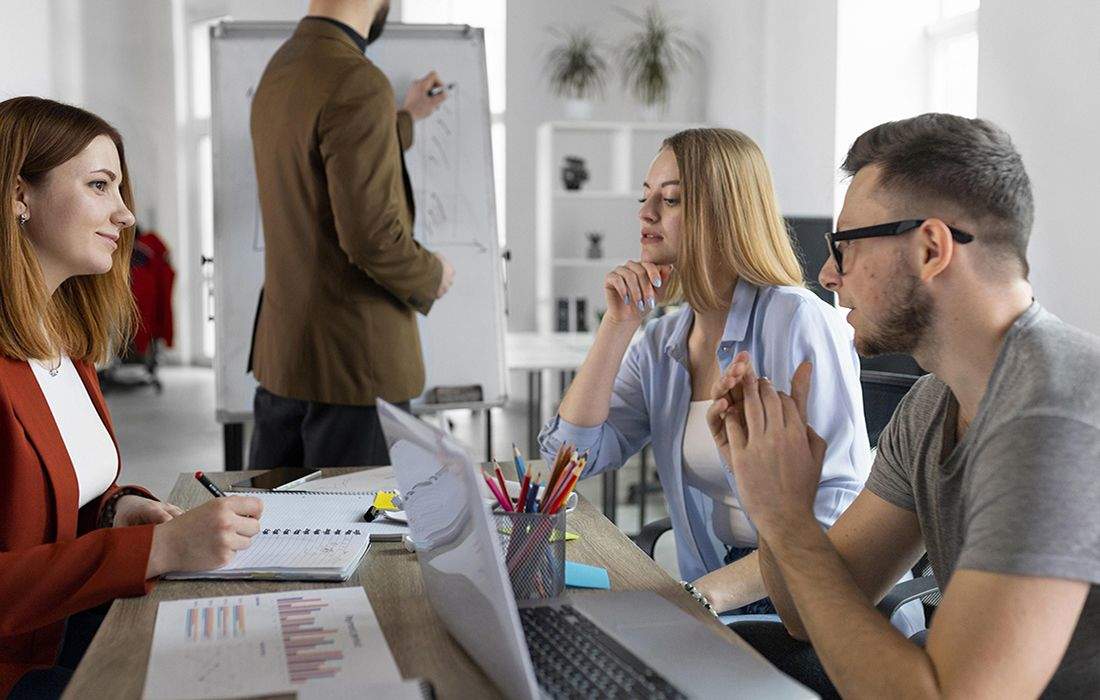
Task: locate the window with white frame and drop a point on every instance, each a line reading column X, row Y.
column 200, row 163
column 953, row 58
column 491, row 16
column 898, row 60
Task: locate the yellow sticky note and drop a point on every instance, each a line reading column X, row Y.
column 569, row 536
column 383, row 500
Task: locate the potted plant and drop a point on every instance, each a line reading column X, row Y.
column 651, row 57
column 577, row 70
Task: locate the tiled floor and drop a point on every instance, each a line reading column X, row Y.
column 161, row 436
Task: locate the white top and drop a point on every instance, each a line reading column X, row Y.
column 86, row 439
column 703, row 469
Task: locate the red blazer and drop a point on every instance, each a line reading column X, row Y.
column 53, row 560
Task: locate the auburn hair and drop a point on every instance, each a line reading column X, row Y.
column 89, row 316
column 731, row 220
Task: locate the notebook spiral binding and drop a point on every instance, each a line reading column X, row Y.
column 307, row 531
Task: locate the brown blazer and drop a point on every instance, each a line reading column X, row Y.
column 342, row 273
column 54, row 561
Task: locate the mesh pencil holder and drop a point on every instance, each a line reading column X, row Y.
column 534, row 552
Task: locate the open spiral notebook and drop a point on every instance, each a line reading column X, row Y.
column 306, row 536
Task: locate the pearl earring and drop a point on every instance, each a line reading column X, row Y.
column 23, row 218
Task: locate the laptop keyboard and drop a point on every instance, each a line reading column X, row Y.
column 574, row 658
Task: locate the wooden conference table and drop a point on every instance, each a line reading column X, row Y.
column 115, row 664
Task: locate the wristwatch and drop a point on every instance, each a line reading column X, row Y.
column 698, row 595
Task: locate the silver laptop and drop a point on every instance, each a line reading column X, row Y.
column 595, row 644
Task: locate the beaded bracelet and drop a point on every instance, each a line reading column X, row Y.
column 698, row 595
column 107, row 515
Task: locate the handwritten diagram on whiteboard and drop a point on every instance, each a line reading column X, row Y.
column 436, row 186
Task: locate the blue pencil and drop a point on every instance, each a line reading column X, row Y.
column 520, row 468
column 532, row 498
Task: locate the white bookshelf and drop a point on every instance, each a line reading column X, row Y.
column 616, row 155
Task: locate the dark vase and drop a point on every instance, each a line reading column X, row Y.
column 595, row 246
column 573, row 173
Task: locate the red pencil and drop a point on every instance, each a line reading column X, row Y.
column 521, row 502
column 503, row 483
column 501, row 499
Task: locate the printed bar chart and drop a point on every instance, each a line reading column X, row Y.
column 321, row 644
column 310, row 648
column 214, row 622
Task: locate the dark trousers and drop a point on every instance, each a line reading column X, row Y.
column 50, row 682
column 295, row 433
column 760, row 607
column 797, row 659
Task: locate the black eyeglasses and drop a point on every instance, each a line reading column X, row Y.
column 894, row 228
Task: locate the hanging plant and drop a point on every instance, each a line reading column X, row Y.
column 576, row 68
column 652, row 56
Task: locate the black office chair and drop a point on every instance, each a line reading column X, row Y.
column 882, row 392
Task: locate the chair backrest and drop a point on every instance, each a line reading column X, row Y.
column 882, row 392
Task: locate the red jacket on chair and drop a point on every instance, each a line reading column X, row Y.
column 151, row 279
column 53, row 559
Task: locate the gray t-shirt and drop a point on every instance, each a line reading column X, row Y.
column 1020, row 493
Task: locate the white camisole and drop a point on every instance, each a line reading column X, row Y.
column 703, row 470
column 86, row 439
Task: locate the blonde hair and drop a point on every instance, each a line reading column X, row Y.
column 88, row 316
column 731, row 223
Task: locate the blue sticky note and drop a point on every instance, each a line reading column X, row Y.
column 585, row 576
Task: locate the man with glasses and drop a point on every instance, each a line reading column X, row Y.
column 991, row 463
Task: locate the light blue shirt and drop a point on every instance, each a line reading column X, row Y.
column 780, row 327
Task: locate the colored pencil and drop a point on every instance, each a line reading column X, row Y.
column 496, row 492
column 500, row 478
column 565, row 492
column 521, row 467
column 560, row 460
column 521, row 502
column 532, row 498
column 550, row 496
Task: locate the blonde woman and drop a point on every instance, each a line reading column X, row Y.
column 712, row 237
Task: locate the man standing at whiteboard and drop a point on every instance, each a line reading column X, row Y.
column 336, row 326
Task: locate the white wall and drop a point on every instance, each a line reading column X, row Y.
column 882, row 67
column 773, row 75
column 800, row 102
column 25, row 49
column 1039, row 78
column 768, row 68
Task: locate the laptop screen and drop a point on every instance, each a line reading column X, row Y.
column 457, row 548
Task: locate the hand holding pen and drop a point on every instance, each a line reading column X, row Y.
column 205, row 537
column 425, row 95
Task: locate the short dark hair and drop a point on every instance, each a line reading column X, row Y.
column 969, row 163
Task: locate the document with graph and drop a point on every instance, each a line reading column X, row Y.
column 323, row 643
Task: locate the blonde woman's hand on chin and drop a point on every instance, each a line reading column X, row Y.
column 633, row 289
column 206, row 537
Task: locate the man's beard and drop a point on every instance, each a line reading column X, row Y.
column 906, row 323
column 378, row 24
